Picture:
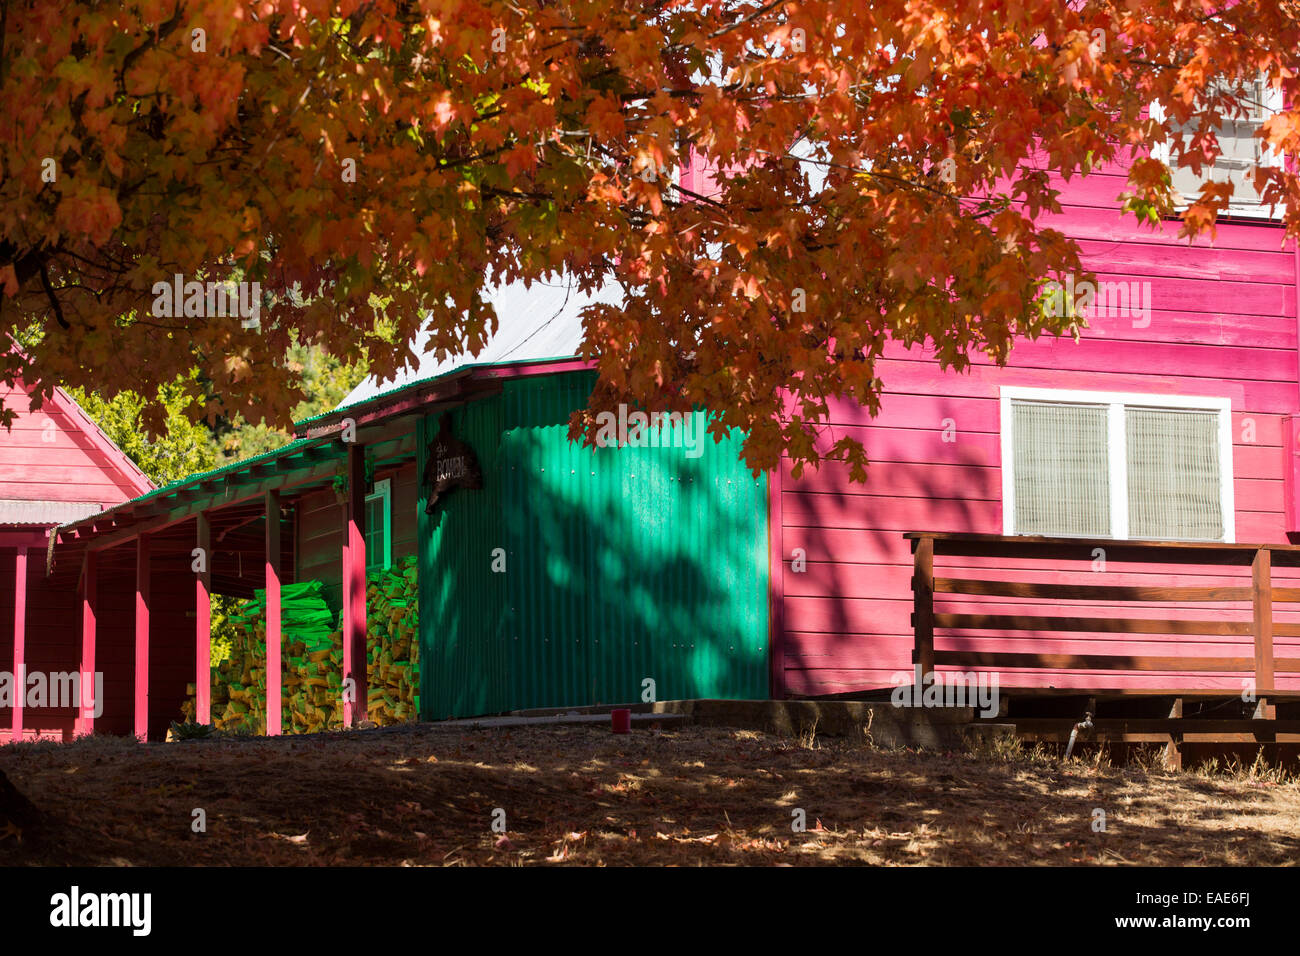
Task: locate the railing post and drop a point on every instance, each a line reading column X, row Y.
column 20, row 643
column 274, row 635
column 356, row 694
column 1262, row 591
column 143, row 605
column 203, row 620
column 923, row 604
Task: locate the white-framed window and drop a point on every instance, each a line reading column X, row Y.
column 1241, row 149
column 1117, row 465
column 379, row 526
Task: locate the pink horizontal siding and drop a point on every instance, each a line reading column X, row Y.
column 57, row 461
column 1223, row 321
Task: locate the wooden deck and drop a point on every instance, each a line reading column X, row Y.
column 1181, row 708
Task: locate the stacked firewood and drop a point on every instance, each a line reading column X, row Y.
column 393, row 645
column 312, row 662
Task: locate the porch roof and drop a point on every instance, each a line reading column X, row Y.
column 236, row 491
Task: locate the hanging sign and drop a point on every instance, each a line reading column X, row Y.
column 450, row 463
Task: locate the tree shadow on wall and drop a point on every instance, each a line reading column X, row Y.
column 622, row 566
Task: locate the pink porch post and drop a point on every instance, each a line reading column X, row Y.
column 203, row 623
column 354, row 588
column 274, row 699
column 85, row 720
column 20, row 641
column 142, row 600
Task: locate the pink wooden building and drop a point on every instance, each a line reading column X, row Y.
column 1170, row 420
column 56, row 466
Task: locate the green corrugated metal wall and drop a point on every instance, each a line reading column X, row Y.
column 621, row 564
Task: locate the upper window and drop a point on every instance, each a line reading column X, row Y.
column 1240, row 147
column 1105, row 465
column 379, row 526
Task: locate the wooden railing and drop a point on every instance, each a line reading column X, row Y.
column 1260, row 593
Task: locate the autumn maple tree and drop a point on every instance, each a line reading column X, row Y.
column 879, row 168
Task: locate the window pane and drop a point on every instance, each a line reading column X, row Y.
column 1062, row 469
column 1240, row 149
column 1173, row 474
column 376, row 545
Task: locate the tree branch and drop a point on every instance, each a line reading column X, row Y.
column 54, row 300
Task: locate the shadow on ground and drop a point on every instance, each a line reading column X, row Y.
column 429, row 796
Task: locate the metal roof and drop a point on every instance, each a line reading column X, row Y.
column 535, row 323
column 46, row 513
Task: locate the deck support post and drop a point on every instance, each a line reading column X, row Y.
column 202, row 566
column 1174, row 749
column 777, row 568
column 143, row 598
column 274, row 680
column 1262, row 593
column 84, row 722
column 20, row 642
column 923, row 615
column 354, row 590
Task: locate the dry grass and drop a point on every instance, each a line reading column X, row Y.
column 426, row 796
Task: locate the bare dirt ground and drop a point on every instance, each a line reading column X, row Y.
column 426, row 795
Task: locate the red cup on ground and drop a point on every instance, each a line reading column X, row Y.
column 621, row 719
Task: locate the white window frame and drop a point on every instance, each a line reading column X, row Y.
column 1273, row 103
column 1115, row 403
column 384, row 490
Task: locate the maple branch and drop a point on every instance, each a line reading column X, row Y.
column 474, row 157
column 54, row 300
column 164, row 30
column 698, row 196
column 26, row 265
column 744, row 21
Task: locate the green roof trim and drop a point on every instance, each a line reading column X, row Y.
column 202, row 476
column 199, row 478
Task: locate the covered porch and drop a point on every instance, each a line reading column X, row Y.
column 142, row 577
